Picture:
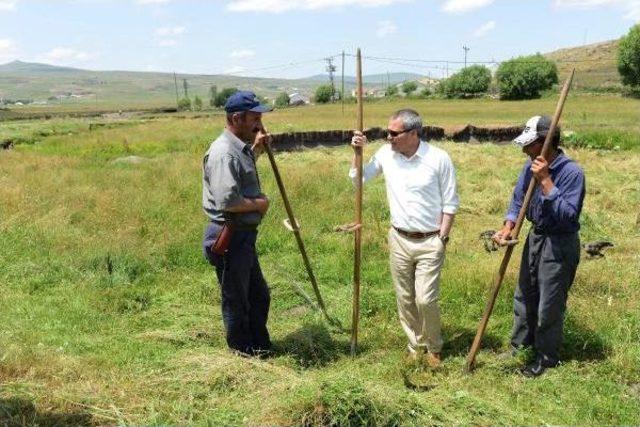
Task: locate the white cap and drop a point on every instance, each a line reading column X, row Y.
column 537, row 127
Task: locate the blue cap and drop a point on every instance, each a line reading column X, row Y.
column 244, row 100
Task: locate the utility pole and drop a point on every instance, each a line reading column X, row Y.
column 175, row 81
column 342, row 96
column 331, row 69
column 466, row 49
column 185, row 86
column 447, row 69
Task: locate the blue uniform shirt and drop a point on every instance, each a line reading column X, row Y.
column 559, row 211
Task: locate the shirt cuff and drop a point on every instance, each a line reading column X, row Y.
column 511, row 217
column 553, row 194
column 450, row 209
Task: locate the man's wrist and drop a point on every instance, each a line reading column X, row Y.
column 444, row 238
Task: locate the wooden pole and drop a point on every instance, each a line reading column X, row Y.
column 358, row 221
column 296, row 231
column 342, row 97
column 516, row 231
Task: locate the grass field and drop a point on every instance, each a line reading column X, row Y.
column 110, row 315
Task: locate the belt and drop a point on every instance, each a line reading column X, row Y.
column 415, row 234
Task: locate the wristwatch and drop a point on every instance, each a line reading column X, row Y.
column 444, row 239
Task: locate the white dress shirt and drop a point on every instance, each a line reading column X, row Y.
column 419, row 189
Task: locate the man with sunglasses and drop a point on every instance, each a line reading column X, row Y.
column 552, row 250
column 421, row 189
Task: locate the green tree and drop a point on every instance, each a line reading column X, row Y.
column 282, row 100
column 526, row 76
column 629, row 58
column 223, row 95
column 469, row 81
column 409, row 87
column 184, row 104
column 197, row 103
column 324, row 94
column 213, row 92
column 391, row 90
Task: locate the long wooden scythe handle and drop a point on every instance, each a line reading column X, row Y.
column 357, row 232
column 471, row 357
column 292, row 225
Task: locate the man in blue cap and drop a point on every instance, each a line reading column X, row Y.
column 552, row 250
column 235, row 205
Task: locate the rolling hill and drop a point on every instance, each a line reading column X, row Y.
column 596, row 64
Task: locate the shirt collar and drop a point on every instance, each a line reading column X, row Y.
column 237, row 142
column 560, row 159
column 421, row 152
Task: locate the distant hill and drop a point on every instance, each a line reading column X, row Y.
column 53, row 84
column 595, row 64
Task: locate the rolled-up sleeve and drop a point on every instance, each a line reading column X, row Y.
column 369, row 171
column 448, row 185
column 224, row 181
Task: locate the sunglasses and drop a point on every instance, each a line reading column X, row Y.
column 394, row 133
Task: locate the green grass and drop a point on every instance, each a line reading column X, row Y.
column 110, row 315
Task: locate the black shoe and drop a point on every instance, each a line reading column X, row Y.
column 537, row 368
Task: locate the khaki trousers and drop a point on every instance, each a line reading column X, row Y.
column 415, row 270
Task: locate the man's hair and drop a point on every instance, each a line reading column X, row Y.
column 410, row 119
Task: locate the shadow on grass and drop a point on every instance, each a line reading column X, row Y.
column 581, row 343
column 20, row 412
column 458, row 341
column 312, row 346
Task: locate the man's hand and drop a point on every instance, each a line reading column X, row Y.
column 262, row 138
column 503, row 237
column 262, row 203
column 540, row 169
column 358, row 140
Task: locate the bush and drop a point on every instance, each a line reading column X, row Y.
column 325, row 94
column 184, row 104
column 223, row 95
column 197, row 104
column 524, row 77
column 409, row 87
column 391, row 91
column 469, row 81
column 629, row 58
column 602, row 140
column 282, row 100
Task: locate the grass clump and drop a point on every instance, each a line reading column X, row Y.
column 345, row 401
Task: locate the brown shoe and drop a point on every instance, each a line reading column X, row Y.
column 433, row 360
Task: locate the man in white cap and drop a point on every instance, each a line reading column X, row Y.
column 552, row 249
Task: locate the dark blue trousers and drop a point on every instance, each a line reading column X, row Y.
column 547, row 270
column 244, row 291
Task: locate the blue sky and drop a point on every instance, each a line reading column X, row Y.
column 289, row 38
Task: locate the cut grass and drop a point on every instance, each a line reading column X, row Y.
column 110, row 315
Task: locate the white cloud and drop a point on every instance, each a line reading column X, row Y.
column 65, row 54
column 631, row 7
column 242, row 54
column 278, row 6
column 171, row 31
column 461, row 6
column 8, row 50
column 484, row 29
column 386, row 28
column 8, row 4
column 167, row 43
